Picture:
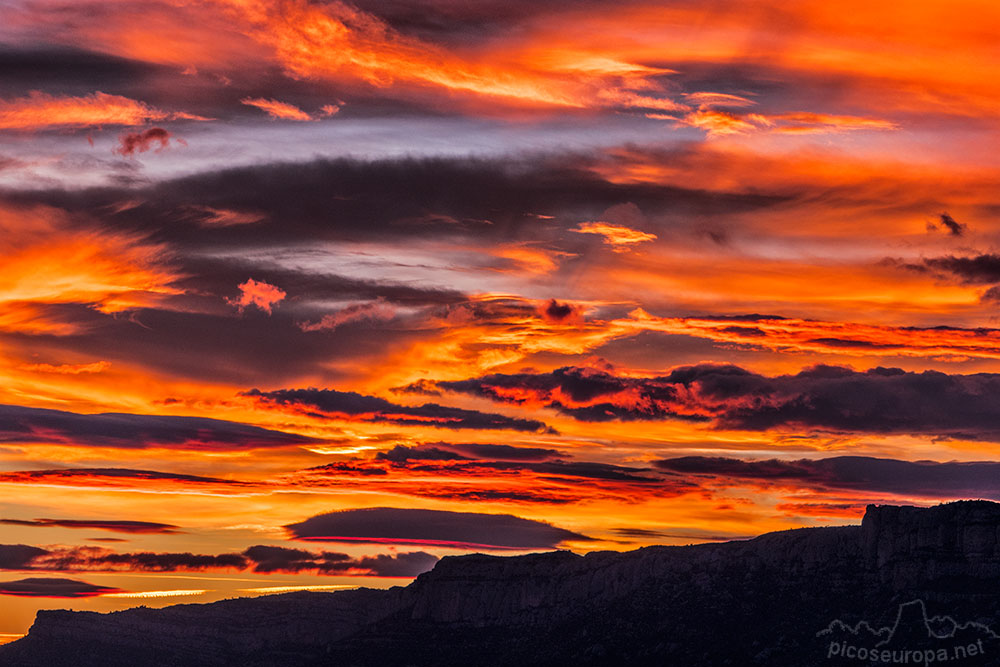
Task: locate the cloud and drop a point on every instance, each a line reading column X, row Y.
column 110, row 477
column 503, row 452
column 68, row 369
column 40, row 111
column 621, row 238
column 98, row 559
column 18, row 556
column 721, row 122
column 134, row 527
column 52, row 257
column 463, row 530
column 20, row 424
column 139, row 142
column 954, row 227
column 677, row 534
column 914, row 479
column 406, row 564
column 282, row 559
column 826, row 398
column 223, row 217
column 402, row 453
column 560, row 313
column 374, row 311
column 975, row 270
column 259, row 294
column 435, row 471
column 53, row 588
column 783, row 334
column 348, row 404
column 259, row 558
column 279, row 110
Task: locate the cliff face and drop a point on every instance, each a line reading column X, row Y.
column 767, row 596
column 959, row 542
column 482, row 590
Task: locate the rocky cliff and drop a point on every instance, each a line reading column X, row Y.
column 759, row 601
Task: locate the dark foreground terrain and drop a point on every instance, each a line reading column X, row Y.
column 908, row 586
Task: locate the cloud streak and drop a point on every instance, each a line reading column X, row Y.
column 860, row 474
column 20, row 424
column 348, row 405
column 131, row 527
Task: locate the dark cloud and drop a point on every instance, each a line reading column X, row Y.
column 976, row 479
column 53, row 588
column 954, row 227
column 267, row 558
column 37, row 425
column 581, row 386
column 435, row 460
column 505, row 452
column 752, row 332
column 331, row 403
column 463, row 23
column 423, row 386
column 463, row 493
column 355, row 200
column 402, row 453
column 408, row 564
column 261, row 558
column 130, row 143
column 559, row 313
column 880, row 400
column 847, row 343
column 149, row 337
column 114, row 526
column 282, row 559
column 432, row 527
column 71, row 71
column 446, row 451
column 106, row 475
column 99, row 559
column 18, row 556
column 646, row 534
column 975, row 270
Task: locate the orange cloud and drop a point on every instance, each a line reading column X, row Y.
column 39, row 110
column 48, row 260
column 259, row 294
column 277, row 110
column 68, row 369
column 615, row 235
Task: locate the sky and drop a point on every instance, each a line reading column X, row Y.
column 310, row 294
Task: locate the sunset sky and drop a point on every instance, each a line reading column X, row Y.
column 310, row 293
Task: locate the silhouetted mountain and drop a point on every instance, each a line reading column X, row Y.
column 906, row 580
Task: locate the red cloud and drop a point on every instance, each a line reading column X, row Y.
column 140, row 142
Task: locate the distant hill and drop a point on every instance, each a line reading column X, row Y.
column 910, row 580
